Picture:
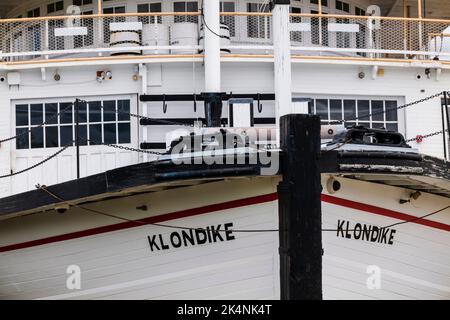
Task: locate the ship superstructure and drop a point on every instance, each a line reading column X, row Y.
column 96, row 94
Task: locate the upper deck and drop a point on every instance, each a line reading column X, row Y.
column 36, row 33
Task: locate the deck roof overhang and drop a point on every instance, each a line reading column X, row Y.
column 421, row 173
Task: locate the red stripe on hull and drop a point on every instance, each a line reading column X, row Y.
column 145, row 221
column 384, row 212
column 219, row 207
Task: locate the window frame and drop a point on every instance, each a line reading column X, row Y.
column 60, row 124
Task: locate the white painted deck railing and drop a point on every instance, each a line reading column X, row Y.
column 242, row 33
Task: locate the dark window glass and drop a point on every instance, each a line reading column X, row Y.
column 95, row 111
column 51, row 8
column 324, row 2
column 349, row 109
column 65, row 110
column 109, row 110
column 378, row 125
column 179, row 7
column 191, row 7
column 51, row 137
column 22, row 141
column 335, row 109
column 143, row 8
column 311, row 106
column 37, row 138
column 59, row 6
column 364, row 124
column 82, row 112
column 51, row 113
column 391, row 110
column 110, row 133
column 22, row 115
column 83, row 135
column 66, row 135
column 377, row 110
column 95, row 134
column 346, row 7
column 36, row 113
column 124, row 133
column 322, row 108
column 155, row 7
column 363, row 110
column 123, row 107
column 392, row 127
column 77, row 3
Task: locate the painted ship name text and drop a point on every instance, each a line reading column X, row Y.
column 365, row 232
column 192, row 237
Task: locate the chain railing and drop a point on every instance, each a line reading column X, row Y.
column 182, row 34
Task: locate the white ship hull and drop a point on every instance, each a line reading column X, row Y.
column 123, row 260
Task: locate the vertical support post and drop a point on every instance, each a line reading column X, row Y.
column 77, row 134
column 100, row 7
column 405, row 29
column 420, row 15
column 443, row 132
column 143, row 73
column 282, row 61
column 300, row 217
column 211, row 28
column 446, row 115
column 419, row 9
column 46, row 38
column 320, row 10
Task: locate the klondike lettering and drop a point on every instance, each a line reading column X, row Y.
column 365, row 232
column 192, row 237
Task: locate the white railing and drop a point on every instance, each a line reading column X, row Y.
column 242, row 33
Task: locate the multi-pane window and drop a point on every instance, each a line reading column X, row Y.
column 324, row 2
column 55, row 7
column 359, row 12
column 81, row 2
column 342, row 6
column 185, row 6
column 100, row 122
column 230, row 21
column 150, row 8
column 371, row 113
column 34, row 13
column 258, row 27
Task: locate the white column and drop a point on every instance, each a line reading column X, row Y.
column 282, row 57
column 143, row 73
column 211, row 11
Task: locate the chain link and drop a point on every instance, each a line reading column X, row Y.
column 39, row 163
column 410, row 104
column 115, row 146
column 428, row 135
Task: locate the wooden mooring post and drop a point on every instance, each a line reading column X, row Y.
column 300, row 216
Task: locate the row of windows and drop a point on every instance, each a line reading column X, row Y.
column 100, row 122
column 182, row 6
column 55, row 7
column 370, row 113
